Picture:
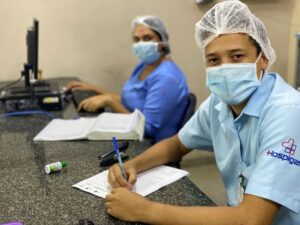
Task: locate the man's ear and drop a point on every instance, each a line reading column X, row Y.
column 263, row 62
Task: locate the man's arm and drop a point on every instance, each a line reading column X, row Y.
column 168, row 150
column 163, row 152
column 129, row 206
column 253, row 211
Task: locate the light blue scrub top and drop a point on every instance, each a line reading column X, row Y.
column 162, row 97
column 262, row 145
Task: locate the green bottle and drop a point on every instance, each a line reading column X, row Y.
column 55, row 167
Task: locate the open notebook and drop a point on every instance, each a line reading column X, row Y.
column 147, row 181
column 103, row 127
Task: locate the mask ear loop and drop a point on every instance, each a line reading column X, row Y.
column 262, row 72
column 261, row 75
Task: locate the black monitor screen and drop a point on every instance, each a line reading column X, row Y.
column 32, row 48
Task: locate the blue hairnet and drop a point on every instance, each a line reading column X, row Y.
column 233, row 17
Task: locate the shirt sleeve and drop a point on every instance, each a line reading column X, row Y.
column 161, row 100
column 196, row 132
column 276, row 175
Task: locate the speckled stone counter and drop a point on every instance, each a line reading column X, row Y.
column 29, row 195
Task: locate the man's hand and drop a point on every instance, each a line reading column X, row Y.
column 126, row 205
column 116, row 179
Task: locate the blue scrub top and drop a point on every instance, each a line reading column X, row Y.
column 262, row 145
column 161, row 97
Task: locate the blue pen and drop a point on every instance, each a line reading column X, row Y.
column 116, row 149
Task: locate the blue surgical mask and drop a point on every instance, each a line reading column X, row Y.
column 147, row 52
column 233, row 83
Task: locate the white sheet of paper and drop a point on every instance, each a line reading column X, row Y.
column 147, row 182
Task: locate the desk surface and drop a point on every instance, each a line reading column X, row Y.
column 29, row 195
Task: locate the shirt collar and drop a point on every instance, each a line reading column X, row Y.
column 259, row 97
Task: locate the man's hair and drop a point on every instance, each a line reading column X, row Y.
column 256, row 45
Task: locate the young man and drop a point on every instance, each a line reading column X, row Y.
column 251, row 122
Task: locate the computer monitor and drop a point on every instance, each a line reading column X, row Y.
column 33, row 48
column 32, row 41
column 36, row 93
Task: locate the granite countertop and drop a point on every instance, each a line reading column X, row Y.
column 29, row 195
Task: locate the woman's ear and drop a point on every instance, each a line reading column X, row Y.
column 161, row 47
column 164, row 48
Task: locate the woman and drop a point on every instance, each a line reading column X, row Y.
column 157, row 87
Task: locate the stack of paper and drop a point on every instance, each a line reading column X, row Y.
column 103, row 127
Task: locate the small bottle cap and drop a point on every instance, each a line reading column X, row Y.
column 64, row 163
column 47, row 169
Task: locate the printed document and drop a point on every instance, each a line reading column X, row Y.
column 147, row 181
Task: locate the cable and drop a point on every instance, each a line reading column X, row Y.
column 10, row 84
column 22, row 113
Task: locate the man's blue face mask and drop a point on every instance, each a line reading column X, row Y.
column 233, row 83
column 147, row 52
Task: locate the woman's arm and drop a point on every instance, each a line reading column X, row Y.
column 114, row 102
column 79, row 85
column 92, row 104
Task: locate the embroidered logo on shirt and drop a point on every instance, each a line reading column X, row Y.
column 290, row 149
column 289, row 146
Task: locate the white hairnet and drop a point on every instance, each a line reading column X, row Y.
column 154, row 23
column 233, row 17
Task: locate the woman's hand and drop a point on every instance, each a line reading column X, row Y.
column 116, row 179
column 126, row 205
column 78, row 85
column 92, row 104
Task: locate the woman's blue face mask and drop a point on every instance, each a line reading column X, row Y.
column 147, row 52
column 233, row 83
